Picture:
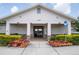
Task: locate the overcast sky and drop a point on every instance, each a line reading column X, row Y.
column 9, row 8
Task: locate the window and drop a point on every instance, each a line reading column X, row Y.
column 38, row 10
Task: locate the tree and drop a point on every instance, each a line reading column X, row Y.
column 2, row 22
column 76, row 25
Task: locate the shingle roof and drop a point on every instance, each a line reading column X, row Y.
column 39, row 5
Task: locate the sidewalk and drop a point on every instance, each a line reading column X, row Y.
column 40, row 48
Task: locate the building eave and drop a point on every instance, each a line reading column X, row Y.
column 27, row 9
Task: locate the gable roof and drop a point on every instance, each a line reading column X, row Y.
column 39, row 5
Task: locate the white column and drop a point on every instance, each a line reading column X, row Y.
column 49, row 30
column 69, row 27
column 7, row 29
column 28, row 30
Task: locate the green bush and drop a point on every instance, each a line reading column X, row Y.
column 15, row 34
column 75, row 41
column 74, row 38
column 69, row 38
column 2, row 33
column 10, row 36
column 4, row 42
column 62, row 38
column 5, row 39
column 52, row 38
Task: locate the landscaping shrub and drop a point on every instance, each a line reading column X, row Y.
column 52, row 38
column 75, row 39
column 24, row 36
column 64, row 38
column 2, row 33
column 5, row 39
column 15, row 34
column 59, row 37
column 75, row 36
column 3, row 42
column 10, row 36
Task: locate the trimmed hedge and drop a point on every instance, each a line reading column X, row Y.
column 64, row 38
column 52, row 38
column 5, row 39
column 75, row 40
column 10, row 36
column 2, row 33
column 70, row 38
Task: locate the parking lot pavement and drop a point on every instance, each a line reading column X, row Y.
column 40, row 48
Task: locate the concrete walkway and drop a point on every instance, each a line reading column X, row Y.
column 40, row 48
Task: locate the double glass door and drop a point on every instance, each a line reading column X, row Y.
column 38, row 31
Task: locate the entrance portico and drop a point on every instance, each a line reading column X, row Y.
column 37, row 30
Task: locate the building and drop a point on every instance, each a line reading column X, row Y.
column 37, row 21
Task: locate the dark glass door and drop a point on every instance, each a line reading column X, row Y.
column 38, row 31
